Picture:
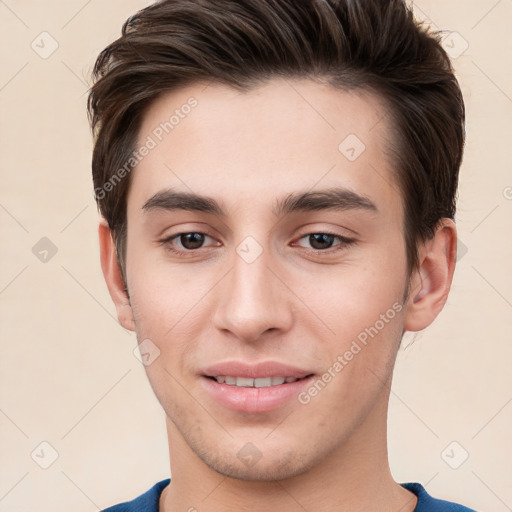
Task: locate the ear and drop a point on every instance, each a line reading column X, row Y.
column 114, row 278
column 431, row 281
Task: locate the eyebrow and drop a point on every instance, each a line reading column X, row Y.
column 329, row 199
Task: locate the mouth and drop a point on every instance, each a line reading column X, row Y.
column 258, row 382
column 255, row 388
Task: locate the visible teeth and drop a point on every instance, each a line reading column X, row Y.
column 261, row 382
column 244, row 382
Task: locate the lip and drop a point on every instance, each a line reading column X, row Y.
column 254, row 371
column 249, row 399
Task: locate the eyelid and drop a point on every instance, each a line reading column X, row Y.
column 185, row 227
column 345, row 241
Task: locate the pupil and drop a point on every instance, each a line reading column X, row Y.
column 192, row 240
column 321, row 240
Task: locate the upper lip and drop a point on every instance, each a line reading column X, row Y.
column 254, row 370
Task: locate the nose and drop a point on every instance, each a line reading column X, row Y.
column 253, row 300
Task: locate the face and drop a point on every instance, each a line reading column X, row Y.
column 266, row 263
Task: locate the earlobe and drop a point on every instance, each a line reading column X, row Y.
column 114, row 278
column 431, row 281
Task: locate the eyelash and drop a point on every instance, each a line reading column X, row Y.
column 344, row 243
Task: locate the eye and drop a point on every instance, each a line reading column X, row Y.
column 185, row 242
column 321, row 242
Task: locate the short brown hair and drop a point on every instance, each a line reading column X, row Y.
column 373, row 45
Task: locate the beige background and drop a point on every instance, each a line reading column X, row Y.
column 68, row 374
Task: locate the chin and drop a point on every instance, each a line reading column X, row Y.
column 269, row 466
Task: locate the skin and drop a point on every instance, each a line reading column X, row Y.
column 292, row 304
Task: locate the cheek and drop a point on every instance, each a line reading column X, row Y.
column 163, row 294
column 359, row 361
column 165, row 314
column 169, row 309
column 361, row 305
column 353, row 298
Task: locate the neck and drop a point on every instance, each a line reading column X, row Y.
column 355, row 477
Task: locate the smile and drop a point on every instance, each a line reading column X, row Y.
column 246, row 382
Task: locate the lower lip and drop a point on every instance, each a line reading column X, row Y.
column 254, row 400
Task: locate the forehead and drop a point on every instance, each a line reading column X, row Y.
column 282, row 136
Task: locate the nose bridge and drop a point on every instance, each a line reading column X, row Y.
column 251, row 299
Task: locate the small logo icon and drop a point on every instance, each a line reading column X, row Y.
column 146, row 352
column 44, row 454
column 249, row 249
column 44, row 250
column 462, row 249
column 454, row 455
column 351, row 147
column 249, row 454
column 454, row 44
column 44, row 45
